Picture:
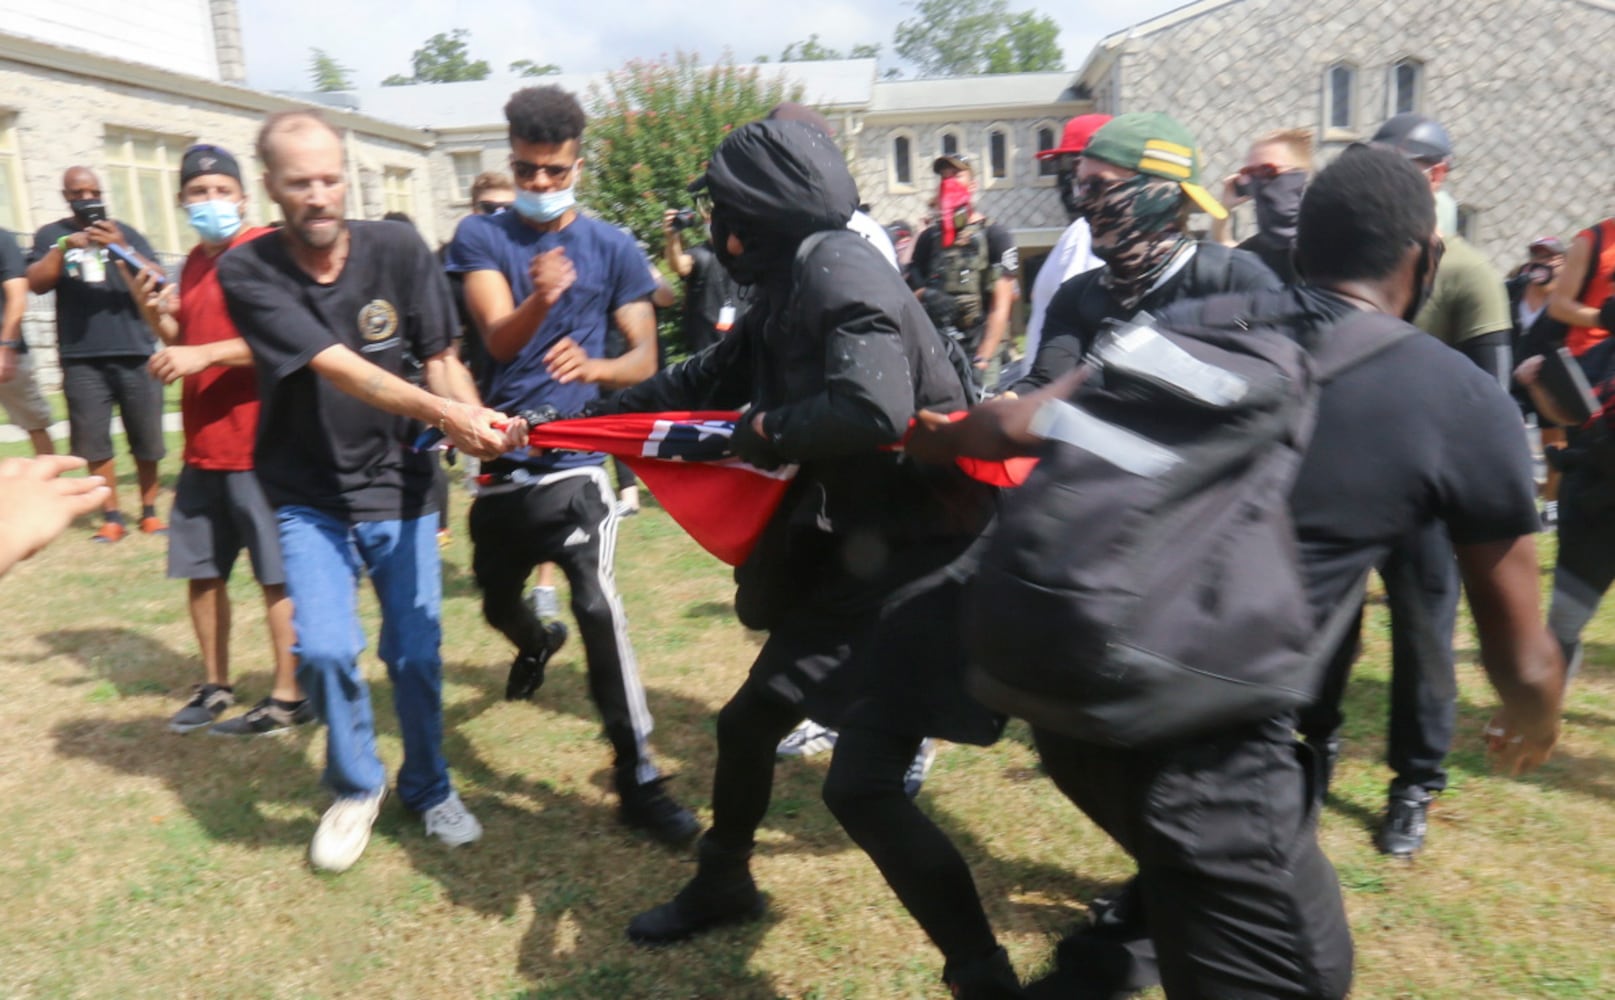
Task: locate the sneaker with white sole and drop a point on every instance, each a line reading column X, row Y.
column 919, row 768
column 344, row 831
column 806, row 740
column 208, row 702
column 451, row 822
column 266, row 718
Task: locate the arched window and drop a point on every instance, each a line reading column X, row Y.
column 998, row 154
column 1046, row 138
column 948, row 144
column 902, row 160
column 1406, row 86
column 1340, row 97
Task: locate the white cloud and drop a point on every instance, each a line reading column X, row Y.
column 376, row 37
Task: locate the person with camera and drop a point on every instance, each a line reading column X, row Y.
column 543, row 283
column 1274, row 177
column 103, row 344
column 1583, row 299
column 712, row 301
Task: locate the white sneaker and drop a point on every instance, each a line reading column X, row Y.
column 806, row 740
column 344, row 831
column 451, row 822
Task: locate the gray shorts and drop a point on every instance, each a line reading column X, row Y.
column 21, row 398
column 215, row 514
column 92, row 387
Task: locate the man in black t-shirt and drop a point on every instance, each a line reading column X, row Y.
column 712, row 301
column 965, row 267
column 103, row 344
column 19, row 394
column 331, row 310
column 1234, row 898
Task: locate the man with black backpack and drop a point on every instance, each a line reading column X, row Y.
column 965, row 267
column 1192, row 764
column 1136, row 183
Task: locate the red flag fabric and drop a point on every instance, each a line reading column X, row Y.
column 684, row 459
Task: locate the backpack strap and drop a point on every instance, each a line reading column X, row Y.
column 1354, row 340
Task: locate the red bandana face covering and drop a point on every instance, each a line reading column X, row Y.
column 954, row 197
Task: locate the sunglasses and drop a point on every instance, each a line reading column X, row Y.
column 491, row 207
column 1259, row 171
column 525, row 171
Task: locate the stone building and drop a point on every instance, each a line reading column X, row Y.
column 125, row 91
column 1522, row 86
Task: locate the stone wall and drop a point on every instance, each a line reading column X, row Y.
column 1522, row 85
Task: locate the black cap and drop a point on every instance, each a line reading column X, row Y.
column 204, row 159
column 1415, row 136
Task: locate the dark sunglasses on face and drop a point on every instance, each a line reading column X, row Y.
column 525, row 171
column 1259, row 171
column 491, row 207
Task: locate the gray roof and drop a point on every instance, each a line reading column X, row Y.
column 843, row 83
column 964, row 92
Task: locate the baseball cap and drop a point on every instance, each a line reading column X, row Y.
column 1154, row 144
column 205, row 159
column 1077, row 133
column 957, row 161
column 1552, row 244
column 1415, row 136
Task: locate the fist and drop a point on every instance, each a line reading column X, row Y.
column 552, row 275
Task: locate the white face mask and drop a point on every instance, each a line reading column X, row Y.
column 214, row 221
column 545, row 206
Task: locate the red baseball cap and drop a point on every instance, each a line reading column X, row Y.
column 1077, row 133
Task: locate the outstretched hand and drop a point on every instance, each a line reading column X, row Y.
column 37, row 502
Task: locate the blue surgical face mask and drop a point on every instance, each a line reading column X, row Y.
column 544, row 206
column 214, row 221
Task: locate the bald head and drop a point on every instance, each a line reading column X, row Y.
column 297, row 127
column 79, row 183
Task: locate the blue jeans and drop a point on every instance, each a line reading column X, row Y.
column 324, row 556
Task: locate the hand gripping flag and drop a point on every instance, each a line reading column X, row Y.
column 685, row 460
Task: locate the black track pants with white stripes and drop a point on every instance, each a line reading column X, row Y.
column 568, row 518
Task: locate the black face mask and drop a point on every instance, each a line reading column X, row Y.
column 1539, row 273
column 1065, row 181
column 1424, row 276
column 764, row 253
column 88, row 210
column 1278, row 207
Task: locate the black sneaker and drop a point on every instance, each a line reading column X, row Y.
column 648, row 807
column 268, row 716
column 527, row 669
column 208, row 702
column 1406, row 823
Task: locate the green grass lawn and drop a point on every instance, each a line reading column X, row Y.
column 138, row 863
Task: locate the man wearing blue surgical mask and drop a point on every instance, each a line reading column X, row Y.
column 543, row 284
column 219, row 507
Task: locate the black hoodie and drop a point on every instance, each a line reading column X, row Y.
column 834, row 349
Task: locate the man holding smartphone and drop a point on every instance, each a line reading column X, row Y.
column 103, row 344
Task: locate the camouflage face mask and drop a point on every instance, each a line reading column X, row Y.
column 1135, row 230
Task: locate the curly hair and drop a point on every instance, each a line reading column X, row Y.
column 546, row 115
column 1361, row 213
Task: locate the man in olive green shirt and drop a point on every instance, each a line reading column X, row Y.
column 1468, row 311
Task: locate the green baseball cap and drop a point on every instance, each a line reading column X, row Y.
column 1154, row 144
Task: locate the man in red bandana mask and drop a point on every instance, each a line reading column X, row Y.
column 966, row 268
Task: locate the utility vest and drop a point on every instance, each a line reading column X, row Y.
column 963, row 272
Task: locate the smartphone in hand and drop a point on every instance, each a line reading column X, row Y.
column 135, row 263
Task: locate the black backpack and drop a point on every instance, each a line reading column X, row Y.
column 1143, row 586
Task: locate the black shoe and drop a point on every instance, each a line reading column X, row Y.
column 527, row 669
column 722, row 892
column 1109, row 957
column 1406, row 823
column 990, row 978
column 266, row 717
column 648, row 807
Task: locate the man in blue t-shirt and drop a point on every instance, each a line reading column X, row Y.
column 543, row 283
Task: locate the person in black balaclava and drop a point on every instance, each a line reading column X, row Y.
column 1136, row 183
column 1273, row 179
column 862, row 560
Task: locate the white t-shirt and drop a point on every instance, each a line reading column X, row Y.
column 875, row 233
column 1071, row 256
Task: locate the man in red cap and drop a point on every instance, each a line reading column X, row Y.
column 1073, row 252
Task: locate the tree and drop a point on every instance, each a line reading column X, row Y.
column 964, row 37
column 813, row 50
column 443, row 59
column 652, row 127
column 526, row 67
column 326, row 74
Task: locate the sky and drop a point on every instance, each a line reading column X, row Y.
column 375, row 38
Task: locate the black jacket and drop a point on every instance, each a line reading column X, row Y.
column 1082, row 306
